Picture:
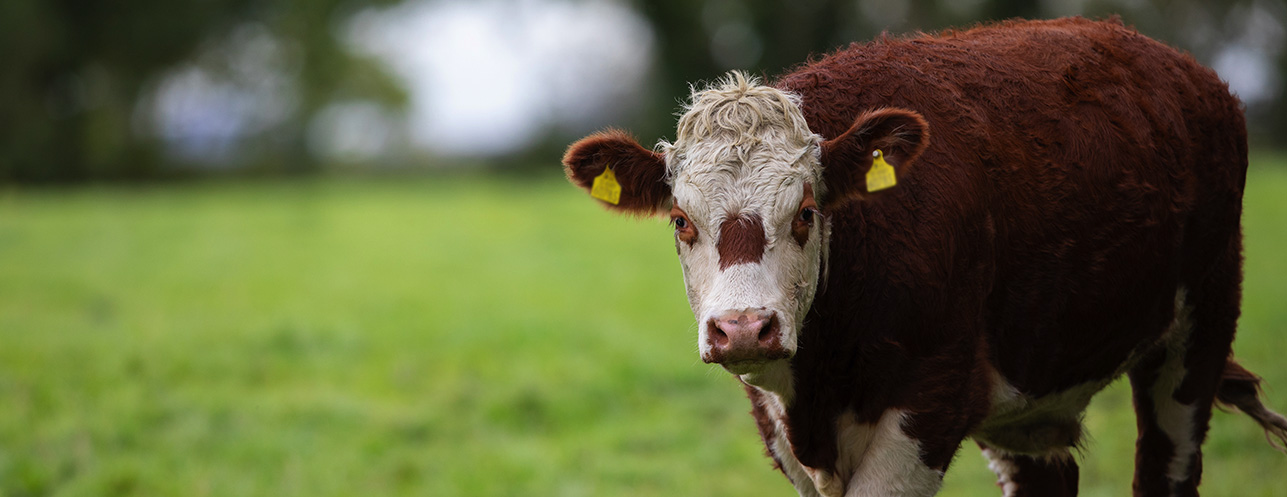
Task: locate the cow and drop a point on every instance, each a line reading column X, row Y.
column 923, row 239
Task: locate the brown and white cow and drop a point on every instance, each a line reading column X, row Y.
column 1066, row 211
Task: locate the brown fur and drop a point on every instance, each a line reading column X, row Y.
column 1041, row 477
column 1240, row 389
column 902, row 135
column 1078, row 176
column 1043, row 232
column 641, row 172
column 763, row 423
column 741, row 240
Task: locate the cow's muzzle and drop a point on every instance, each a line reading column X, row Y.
column 746, row 335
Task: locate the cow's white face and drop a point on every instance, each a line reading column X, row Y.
column 748, row 230
column 746, row 185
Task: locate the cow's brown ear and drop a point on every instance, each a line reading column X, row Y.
column 900, row 134
column 641, row 173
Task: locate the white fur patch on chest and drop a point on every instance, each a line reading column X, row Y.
column 881, row 459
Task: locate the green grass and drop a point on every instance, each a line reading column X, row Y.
column 444, row 336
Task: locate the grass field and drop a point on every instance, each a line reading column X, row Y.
column 441, row 336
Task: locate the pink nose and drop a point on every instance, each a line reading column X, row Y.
column 744, row 335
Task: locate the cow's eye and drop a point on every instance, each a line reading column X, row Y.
column 683, row 227
column 802, row 224
column 806, row 215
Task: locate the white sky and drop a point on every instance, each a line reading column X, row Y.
column 488, row 76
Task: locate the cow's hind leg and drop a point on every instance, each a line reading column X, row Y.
column 1026, row 476
column 1175, row 385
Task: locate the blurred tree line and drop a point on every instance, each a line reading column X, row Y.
column 78, row 77
column 698, row 40
column 83, row 83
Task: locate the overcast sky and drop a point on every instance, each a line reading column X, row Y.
column 486, row 77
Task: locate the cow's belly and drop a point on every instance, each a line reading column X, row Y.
column 1042, row 426
column 1050, row 424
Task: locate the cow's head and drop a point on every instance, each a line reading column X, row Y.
column 748, row 188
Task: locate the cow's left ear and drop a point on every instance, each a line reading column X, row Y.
column 900, row 134
column 638, row 172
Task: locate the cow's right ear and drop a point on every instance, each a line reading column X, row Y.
column 641, row 173
column 900, row 134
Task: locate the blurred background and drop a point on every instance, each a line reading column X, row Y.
column 324, row 247
column 158, row 89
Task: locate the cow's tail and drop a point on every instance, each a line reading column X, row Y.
column 1241, row 389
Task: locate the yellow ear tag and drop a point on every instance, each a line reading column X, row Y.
column 606, row 187
column 881, row 175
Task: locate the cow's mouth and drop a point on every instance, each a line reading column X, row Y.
column 749, row 366
column 773, row 375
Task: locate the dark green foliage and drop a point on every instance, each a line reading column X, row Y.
column 74, row 73
column 787, row 33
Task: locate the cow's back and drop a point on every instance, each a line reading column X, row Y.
column 1078, row 173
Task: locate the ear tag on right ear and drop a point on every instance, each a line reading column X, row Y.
column 881, row 175
column 605, row 187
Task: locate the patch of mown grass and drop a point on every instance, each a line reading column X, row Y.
column 442, row 336
column 463, row 336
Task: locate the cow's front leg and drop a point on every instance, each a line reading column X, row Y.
column 879, row 459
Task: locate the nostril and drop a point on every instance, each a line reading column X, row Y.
column 769, row 331
column 717, row 336
column 744, row 335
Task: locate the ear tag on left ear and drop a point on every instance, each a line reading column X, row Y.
column 881, row 175
column 606, row 187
